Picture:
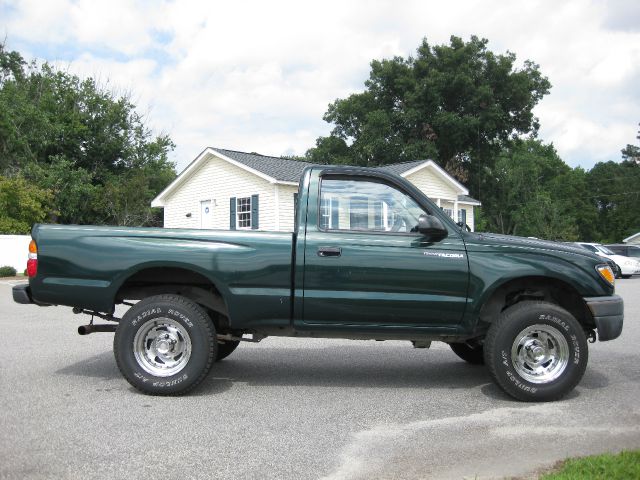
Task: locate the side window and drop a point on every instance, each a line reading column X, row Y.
column 363, row 205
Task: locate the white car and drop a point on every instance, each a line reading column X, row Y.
column 628, row 266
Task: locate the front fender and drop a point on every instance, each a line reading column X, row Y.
column 489, row 271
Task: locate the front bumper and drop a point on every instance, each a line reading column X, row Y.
column 608, row 313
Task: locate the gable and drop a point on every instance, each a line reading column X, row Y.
column 201, row 161
column 633, row 239
column 432, row 183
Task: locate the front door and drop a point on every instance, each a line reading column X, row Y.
column 365, row 263
column 205, row 214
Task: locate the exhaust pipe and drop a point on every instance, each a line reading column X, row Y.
column 87, row 329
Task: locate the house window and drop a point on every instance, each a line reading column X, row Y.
column 448, row 211
column 243, row 212
column 462, row 216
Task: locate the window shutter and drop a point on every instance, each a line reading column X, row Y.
column 255, row 208
column 464, row 216
column 232, row 213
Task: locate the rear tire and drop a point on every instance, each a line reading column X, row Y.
column 472, row 355
column 165, row 345
column 536, row 351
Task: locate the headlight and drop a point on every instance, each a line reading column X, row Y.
column 606, row 273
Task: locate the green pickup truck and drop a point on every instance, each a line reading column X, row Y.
column 370, row 258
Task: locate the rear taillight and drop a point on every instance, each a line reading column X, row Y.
column 32, row 263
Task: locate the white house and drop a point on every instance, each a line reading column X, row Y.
column 633, row 239
column 225, row 189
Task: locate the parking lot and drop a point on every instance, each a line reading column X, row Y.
column 296, row 409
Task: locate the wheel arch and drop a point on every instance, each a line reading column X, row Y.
column 549, row 289
column 150, row 280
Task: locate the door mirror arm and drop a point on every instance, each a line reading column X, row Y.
column 464, row 226
column 432, row 228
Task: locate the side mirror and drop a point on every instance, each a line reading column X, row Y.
column 464, row 226
column 431, row 227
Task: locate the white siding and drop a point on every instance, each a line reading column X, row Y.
column 634, row 239
column 468, row 208
column 286, row 208
column 470, row 216
column 218, row 180
column 433, row 185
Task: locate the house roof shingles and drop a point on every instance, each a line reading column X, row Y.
column 281, row 169
column 285, row 170
column 400, row 168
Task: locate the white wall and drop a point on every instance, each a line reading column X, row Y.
column 217, row 180
column 435, row 187
column 14, row 251
column 286, row 210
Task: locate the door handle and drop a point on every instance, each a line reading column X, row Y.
column 329, row 251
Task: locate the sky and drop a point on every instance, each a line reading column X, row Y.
column 257, row 76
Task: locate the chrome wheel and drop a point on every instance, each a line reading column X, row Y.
column 162, row 347
column 540, row 353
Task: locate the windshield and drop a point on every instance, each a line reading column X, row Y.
column 604, row 250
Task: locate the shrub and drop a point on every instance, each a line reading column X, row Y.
column 7, row 271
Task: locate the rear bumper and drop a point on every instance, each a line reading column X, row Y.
column 22, row 294
column 608, row 313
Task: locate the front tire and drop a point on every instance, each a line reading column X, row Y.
column 165, row 345
column 536, row 351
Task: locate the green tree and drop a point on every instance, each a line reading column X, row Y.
column 21, row 205
column 632, row 152
column 536, row 194
column 457, row 103
column 614, row 189
column 79, row 141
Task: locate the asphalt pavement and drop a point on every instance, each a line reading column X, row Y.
column 296, row 409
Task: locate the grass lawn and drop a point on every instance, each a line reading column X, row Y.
column 623, row 466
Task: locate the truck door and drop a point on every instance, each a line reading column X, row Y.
column 365, row 264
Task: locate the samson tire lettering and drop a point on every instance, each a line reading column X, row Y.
column 536, row 351
column 165, row 345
